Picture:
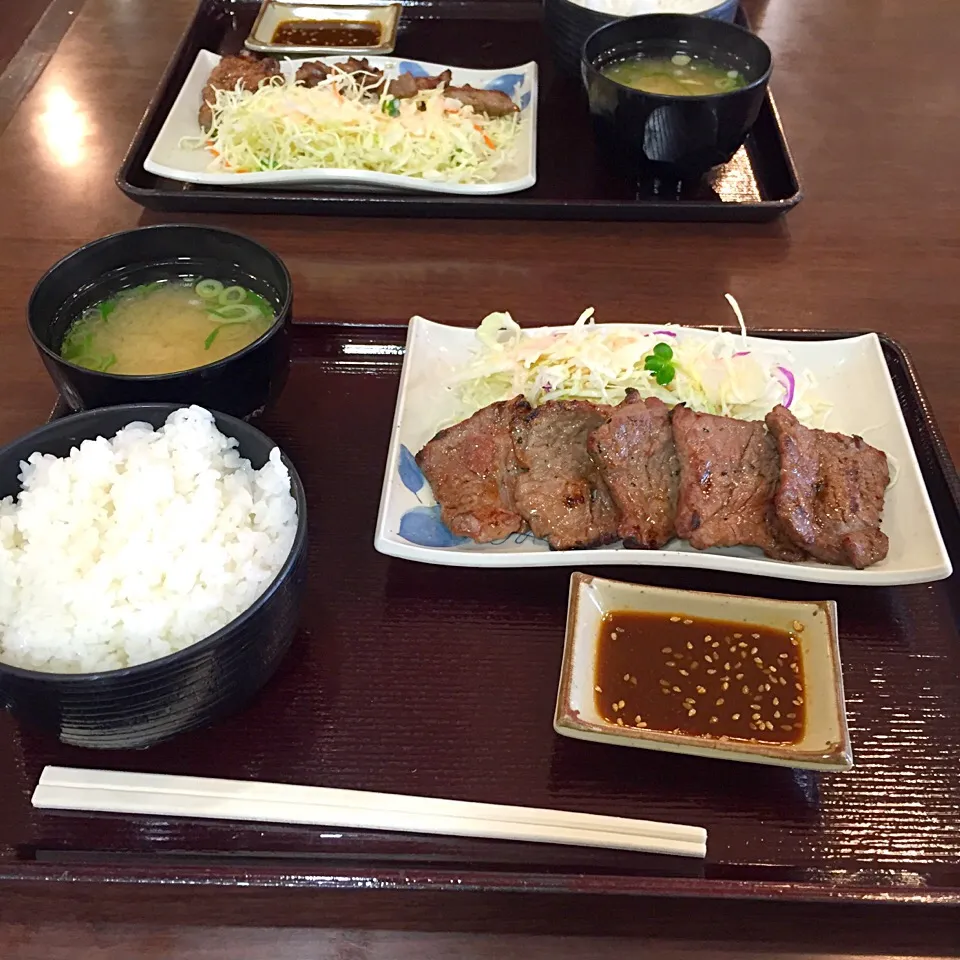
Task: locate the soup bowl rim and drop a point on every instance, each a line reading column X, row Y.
column 590, row 63
column 279, row 319
column 297, row 491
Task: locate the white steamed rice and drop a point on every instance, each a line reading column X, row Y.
column 132, row 548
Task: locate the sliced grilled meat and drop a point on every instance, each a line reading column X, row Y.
column 728, row 475
column 494, row 103
column 831, row 492
column 406, row 85
column 244, row 70
column 638, row 460
column 366, row 75
column 313, row 73
column 471, row 468
column 560, row 491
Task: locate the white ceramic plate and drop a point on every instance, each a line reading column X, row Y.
column 852, row 376
column 168, row 159
column 825, row 744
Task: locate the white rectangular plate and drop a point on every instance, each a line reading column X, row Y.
column 168, row 159
column 852, row 376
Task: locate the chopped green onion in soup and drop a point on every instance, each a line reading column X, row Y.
column 167, row 326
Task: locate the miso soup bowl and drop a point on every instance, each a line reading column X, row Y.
column 680, row 137
column 568, row 23
column 138, row 706
column 241, row 384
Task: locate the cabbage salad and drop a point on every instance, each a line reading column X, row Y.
column 338, row 125
column 720, row 373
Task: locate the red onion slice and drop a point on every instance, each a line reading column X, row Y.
column 789, row 384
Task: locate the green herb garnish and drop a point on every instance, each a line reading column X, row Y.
column 660, row 364
column 391, row 107
column 208, row 343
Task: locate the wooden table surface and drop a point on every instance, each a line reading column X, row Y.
column 869, row 103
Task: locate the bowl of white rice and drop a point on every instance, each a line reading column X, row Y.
column 568, row 23
column 152, row 564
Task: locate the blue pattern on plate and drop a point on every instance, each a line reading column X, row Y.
column 517, row 538
column 417, row 69
column 423, row 526
column 507, row 82
column 411, row 476
column 525, row 101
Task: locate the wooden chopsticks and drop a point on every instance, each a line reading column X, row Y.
column 106, row 791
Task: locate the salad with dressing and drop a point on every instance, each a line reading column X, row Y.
column 722, row 373
column 337, row 124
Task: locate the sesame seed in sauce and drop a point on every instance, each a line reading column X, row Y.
column 732, row 702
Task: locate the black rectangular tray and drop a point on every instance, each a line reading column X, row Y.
column 759, row 184
column 410, row 678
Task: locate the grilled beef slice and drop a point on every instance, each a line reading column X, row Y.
column 471, row 468
column 728, row 476
column 831, row 492
column 638, row 461
column 246, row 71
column 559, row 490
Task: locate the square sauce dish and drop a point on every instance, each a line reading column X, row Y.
column 705, row 674
column 308, row 27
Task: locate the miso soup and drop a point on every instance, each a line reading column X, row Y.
column 683, row 74
column 167, row 326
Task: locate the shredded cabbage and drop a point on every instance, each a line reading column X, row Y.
column 720, row 373
column 339, row 125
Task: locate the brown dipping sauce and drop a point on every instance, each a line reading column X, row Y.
column 704, row 678
column 327, row 33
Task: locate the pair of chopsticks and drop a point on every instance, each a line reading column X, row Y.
column 161, row 795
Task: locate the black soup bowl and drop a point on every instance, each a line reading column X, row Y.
column 680, row 137
column 241, row 384
column 138, row 706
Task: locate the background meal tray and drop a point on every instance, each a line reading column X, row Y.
column 442, row 681
column 573, row 183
